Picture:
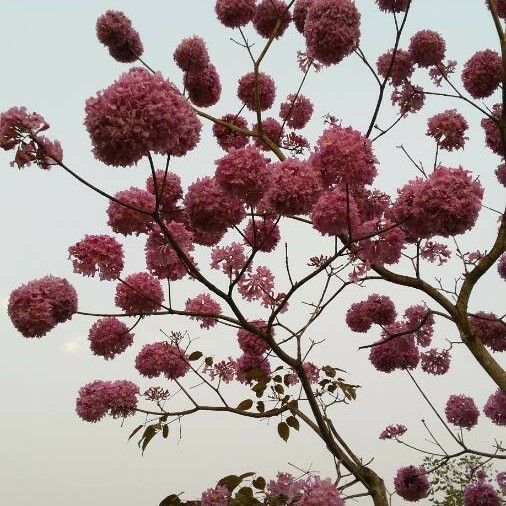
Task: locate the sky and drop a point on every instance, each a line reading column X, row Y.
column 52, row 63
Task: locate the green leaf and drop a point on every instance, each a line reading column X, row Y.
column 260, row 406
column 195, row 355
column 209, row 361
column 148, row 435
column 283, row 431
column 293, row 422
column 137, row 429
column 259, row 483
column 329, row 371
column 231, row 482
column 277, row 378
column 165, row 431
column 245, row 405
column 279, row 389
column 171, row 500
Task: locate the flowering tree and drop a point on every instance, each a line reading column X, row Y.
column 270, row 177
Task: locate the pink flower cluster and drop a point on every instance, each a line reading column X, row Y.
column 256, row 285
column 393, row 431
column 162, row 357
column 495, row 407
column 204, row 304
column 435, row 362
column 383, row 247
column 97, row 398
column 376, row 308
column 115, row 31
column 217, row 496
column 411, row 483
column 228, row 138
column 481, row 493
column 246, row 91
column 393, row 5
column 300, row 12
column 168, row 186
column 398, row 71
column 191, row 54
column 332, row 30
column 461, row 411
column 501, row 266
column 492, row 133
column 420, row 322
column 500, row 172
column 482, row 73
column 230, row 258
column 490, row 329
column 140, row 112
column 139, row 293
column 446, row 203
column 127, row 221
column 109, row 337
column 344, row 155
column 101, row 253
column 271, row 128
column 38, row 306
column 268, row 14
column 448, row 128
column 296, row 111
column 251, row 367
column 224, row 370
column 203, row 86
column 235, row 13
column 250, row 343
column 262, row 234
column 409, row 98
column 427, row 48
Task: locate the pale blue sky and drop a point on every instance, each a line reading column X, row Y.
column 51, row 64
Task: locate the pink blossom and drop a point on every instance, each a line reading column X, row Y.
column 409, row 98
column 318, row 492
column 210, row 208
column 93, row 400
column 393, row 5
column 140, row 112
column 420, row 321
column 294, row 188
column 243, row 173
column 126, row 221
column 272, row 129
column 266, row 91
column 296, row 111
column 300, row 12
column 250, row 343
column 38, row 306
column 191, row 54
column 123, row 398
column 427, row 48
column 203, row 303
column 162, row 357
column 230, row 258
column 235, row 13
column 217, row 496
column 101, row 253
column 448, row 128
column 168, row 186
column 225, row 370
column 228, row 138
column 411, row 483
column 481, row 493
column 376, row 308
column 332, row 30
column 139, row 293
column 442, row 71
column 482, row 73
column 262, row 234
column 344, row 155
column 490, row 329
column 435, row 251
column 267, row 15
column 501, row 266
column 251, row 367
column 492, row 133
column 384, row 246
column 501, row 481
column 371, row 204
column 393, row 431
column 500, row 172
column 495, row 407
column 311, row 371
column 284, row 486
column 254, row 285
column 435, row 362
column 500, row 6
column 109, row 337
column 203, row 86
column 461, row 411
column 400, row 70
column 207, row 238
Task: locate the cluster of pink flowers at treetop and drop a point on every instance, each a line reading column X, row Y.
column 409, row 98
column 446, row 203
column 427, row 48
column 492, row 133
column 376, row 308
column 109, row 337
column 210, row 208
column 263, row 234
column 271, row 128
column 168, row 186
column 266, row 91
column 461, row 411
column 231, row 259
column 393, row 5
column 411, row 483
column 217, row 496
column 251, row 367
column 299, row 13
column 296, row 111
column 448, row 128
column 203, row 303
column 331, row 30
column 235, row 13
column 127, row 221
column 344, row 155
column 115, row 31
column 501, row 266
column 267, row 15
column 162, row 358
column 335, row 213
column 435, row 251
column 228, row 138
column 161, row 258
column 250, row 343
column 495, row 407
column 393, row 431
column 139, row 293
column 38, row 306
column 398, row 71
column 203, row 86
column 101, row 253
column 256, row 285
column 294, row 187
column 435, row 362
column 482, row 73
column 191, row 54
column 140, row 112
column 490, row 329
column 481, row 493
column 243, row 173
column 97, row 398
column 21, row 129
